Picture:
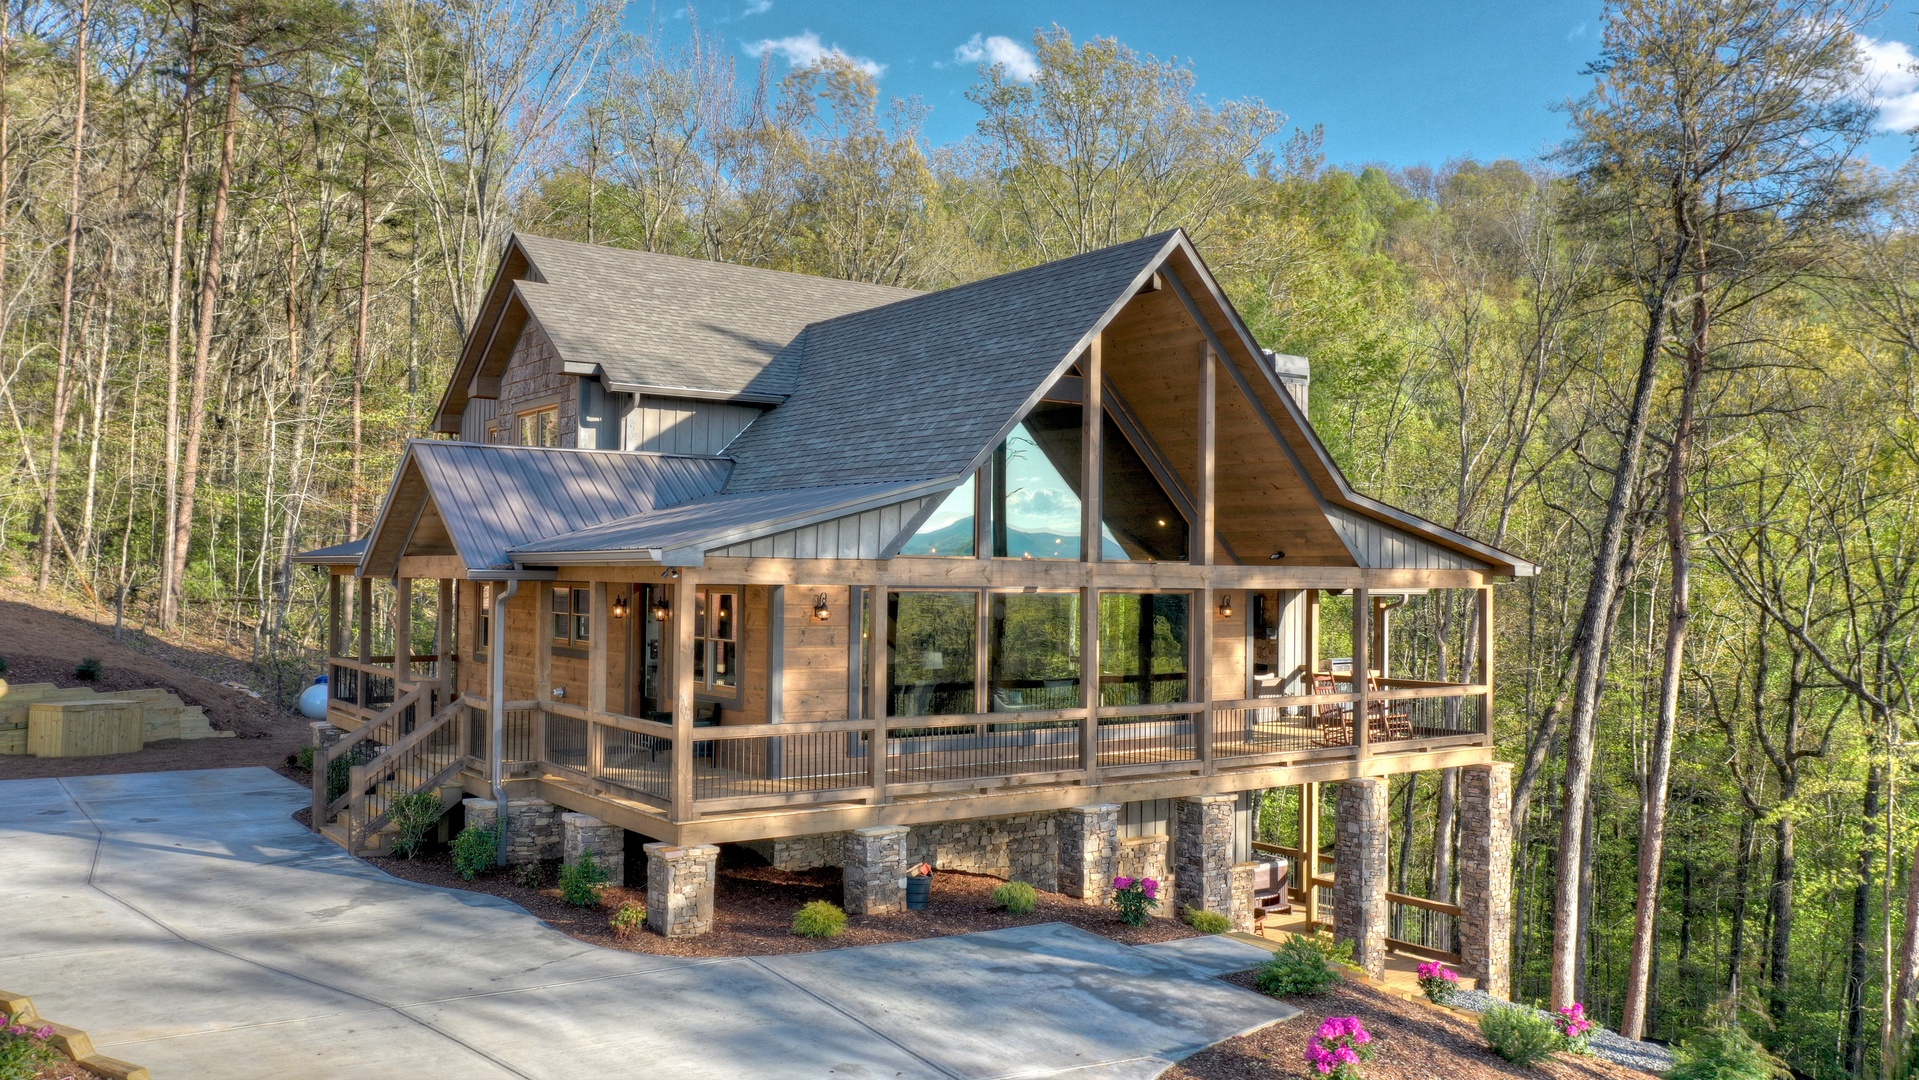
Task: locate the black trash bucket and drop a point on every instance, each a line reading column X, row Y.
column 919, row 890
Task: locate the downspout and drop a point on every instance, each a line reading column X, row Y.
column 496, row 706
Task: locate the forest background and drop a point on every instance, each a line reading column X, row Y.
column 1676, row 364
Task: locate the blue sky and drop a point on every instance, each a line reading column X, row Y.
column 1393, row 81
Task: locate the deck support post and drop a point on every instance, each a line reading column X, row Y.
column 1309, row 844
column 680, row 625
column 1359, row 871
column 584, row 833
column 1486, row 875
column 365, row 615
column 679, row 887
column 1088, row 850
column 874, row 870
column 443, row 639
column 1362, row 675
column 402, row 633
column 1203, row 852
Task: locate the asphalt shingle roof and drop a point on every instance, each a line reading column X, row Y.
column 665, row 322
column 917, row 389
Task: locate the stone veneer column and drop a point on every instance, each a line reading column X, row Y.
column 1088, row 851
column 875, row 870
column 1486, row 875
column 679, row 888
column 1240, row 910
column 533, row 830
column 1359, row 871
column 1203, row 853
column 583, row 832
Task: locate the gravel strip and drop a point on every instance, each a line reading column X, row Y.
column 1614, row 1047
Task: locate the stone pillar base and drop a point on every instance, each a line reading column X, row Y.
column 323, row 734
column 875, row 870
column 1240, row 908
column 1486, row 876
column 533, row 831
column 581, row 833
column 1359, row 871
column 679, row 888
column 1203, row 853
column 1088, row 851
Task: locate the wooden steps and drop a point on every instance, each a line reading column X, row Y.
column 162, row 715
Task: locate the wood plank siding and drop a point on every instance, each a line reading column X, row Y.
column 667, row 425
column 868, row 535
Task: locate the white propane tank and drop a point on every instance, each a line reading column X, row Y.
column 313, row 700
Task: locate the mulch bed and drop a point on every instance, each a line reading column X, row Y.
column 1411, row 1040
column 754, row 905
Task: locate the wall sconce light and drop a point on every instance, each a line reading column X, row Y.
column 559, row 691
column 619, row 607
column 820, row 609
column 660, row 610
column 1277, row 554
column 1226, row 605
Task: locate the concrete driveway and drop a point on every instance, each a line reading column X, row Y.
column 188, row 924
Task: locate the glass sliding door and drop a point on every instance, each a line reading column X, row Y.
column 1143, row 647
column 1033, row 651
column 932, row 643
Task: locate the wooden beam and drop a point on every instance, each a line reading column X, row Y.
column 855, row 652
column 1205, row 531
column 775, row 652
column 1486, row 640
column 1089, row 682
column 1362, row 673
column 334, row 641
column 1065, row 574
column 366, row 619
column 596, row 646
column 880, row 691
column 445, row 618
column 1309, row 844
column 1312, row 635
column 680, row 623
column 432, row 566
column 1092, row 427
column 542, row 641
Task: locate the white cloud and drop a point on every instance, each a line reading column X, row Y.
column 757, row 7
column 1017, row 59
column 805, row 49
column 1891, row 83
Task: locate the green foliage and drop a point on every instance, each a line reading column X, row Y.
column 1521, row 1035
column 475, row 849
column 1302, row 965
column 1207, row 922
column 819, row 919
column 529, row 875
column 1724, row 1051
column 88, row 669
column 582, row 879
column 24, row 1050
column 413, row 815
column 304, row 757
column 628, row 920
column 1017, row 897
column 3, row 665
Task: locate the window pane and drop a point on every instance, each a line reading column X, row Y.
column 725, row 663
column 1141, row 522
column 559, row 625
column 582, row 601
column 699, row 660
column 931, row 642
column 559, row 601
column 1036, row 486
column 1033, row 651
column 1143, row 648
column 699, row 614
column 582, row 628
column 950, row 530
column 723, row 616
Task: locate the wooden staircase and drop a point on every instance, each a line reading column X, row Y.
column 392, row 756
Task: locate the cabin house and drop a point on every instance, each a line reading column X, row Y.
column 1046, row 575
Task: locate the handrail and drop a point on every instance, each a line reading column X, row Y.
column 325, row 756
column 1116, row 711
column 363, row 778
column 1421, row 902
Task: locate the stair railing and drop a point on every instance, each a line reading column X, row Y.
column 423, row 760
column 360, row 745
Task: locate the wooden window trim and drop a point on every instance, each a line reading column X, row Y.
column 578, row 601
column 522, row 416
column 706, row 645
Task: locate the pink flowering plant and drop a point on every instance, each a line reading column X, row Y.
column 1575, row 1031
column 1135, row 898
column 1438, row 981
column 25, row 1049
column 1337, row 1048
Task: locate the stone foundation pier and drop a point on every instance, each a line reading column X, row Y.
column 1088, row 851
column 1486, row 875
column 1359, row 878
column 875, row 870
column 581, row 833
column 679, row 888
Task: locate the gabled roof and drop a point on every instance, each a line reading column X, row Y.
column 336, row 555
column 491, row 499
column 685, row 532
column 914, row 390
column 650, row 323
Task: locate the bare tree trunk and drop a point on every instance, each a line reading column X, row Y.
column 203, row 338
column 1899, row 1049
column 360, row 334
column 1741, row 902
column 63, row 357
column 176, row 269
column 1587, row 882
column 1858, row 951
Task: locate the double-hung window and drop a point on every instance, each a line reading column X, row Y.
column 572, row 615
column 716, row 639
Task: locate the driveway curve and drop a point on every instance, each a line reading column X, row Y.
column 190, row 925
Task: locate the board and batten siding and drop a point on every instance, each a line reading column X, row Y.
column 856, row 536
column 1378, row 546
column 479, row 412
column 667, row 425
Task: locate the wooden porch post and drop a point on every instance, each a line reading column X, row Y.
column 680, row 619
column 1486, row 660
column 879, row 692
column 1089, row 682
column 1092, row 515
column 1362, row 673
column 1201, row 664
column 1312, row 637
column 1309, row 845
column 596, row 646
column 444, row 628
column 366, row 620
column 333, row 598
column 402, row 631
column 542, row 641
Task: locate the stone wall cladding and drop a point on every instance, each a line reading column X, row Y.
column 532, row 377
column 1359, row 879
column 679, row 888
column 583, row 832
column 323, row 735
column 1486, row 876
column 1203, row 853
column 533, row 830
column 1088, row 850
column 1240, row 905
column 1148, row 856
column 1024, row 847
column 874, row 881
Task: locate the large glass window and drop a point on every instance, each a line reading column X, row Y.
column 1141, row 522
column 1033, row 651
column 571, row 610
column 716, row 639
column 949, row 531
column 1143, row 650
column 1036, row 475
column 932, row 639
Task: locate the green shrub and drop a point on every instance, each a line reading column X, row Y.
column 529, row 875
column 819, row 919
column 582, row 879
column 1521, row 1035
column 304, row 759
column 24, row 1050
column 627, row 921
column 475, row 849
column 1017, row 897
column 413, row 815
column 3, row 665
column 1207, row 922
column 88, row 669
column 1724, row 1052
column 1303, row 965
